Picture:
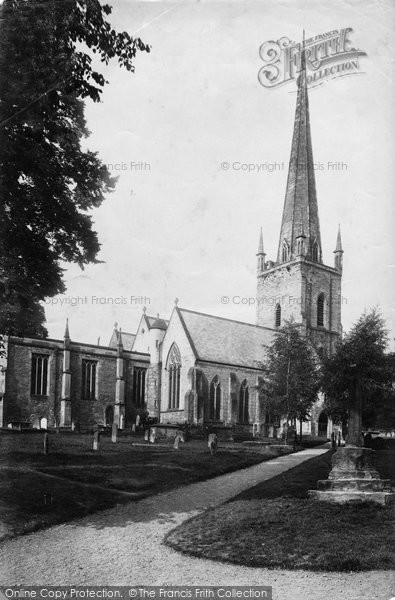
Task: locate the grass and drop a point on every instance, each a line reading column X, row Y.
column 274, row 525
column 38, row 490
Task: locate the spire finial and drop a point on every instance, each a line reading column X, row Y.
column 144, row 310
column 66, row 330
column 120, row 344
column 116, row 325
column 339, row 247
column 261, row 249
column 176, row 301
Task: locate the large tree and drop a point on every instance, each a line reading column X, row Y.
column 48, row 183
column 357, row 379
column 292, row 376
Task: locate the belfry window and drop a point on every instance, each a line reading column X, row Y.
column 320, row 310
column 215, row 400
column 174, row 368
column 315, row 252
column 284, row 254
column 277, row 318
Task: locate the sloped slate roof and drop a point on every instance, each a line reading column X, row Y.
column 127, row 340
column 152, row 320
column 225, row 341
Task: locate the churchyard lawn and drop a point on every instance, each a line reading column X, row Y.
column 274, row 525
column 39, row 490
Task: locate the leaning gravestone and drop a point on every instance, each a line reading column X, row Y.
column 152, row 435
column 179, row 438
column 96, row 440
column 114, row 433
column 212, row 442
column 46, row 443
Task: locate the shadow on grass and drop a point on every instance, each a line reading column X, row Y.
column 274, row 525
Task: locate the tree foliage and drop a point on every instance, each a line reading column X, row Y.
column 292, row 375
column 360, row 359
column 49, row 184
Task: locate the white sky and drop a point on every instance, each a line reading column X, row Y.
column 189, row 229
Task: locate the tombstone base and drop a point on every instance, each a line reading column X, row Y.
column 341, row 497
column 353, row 477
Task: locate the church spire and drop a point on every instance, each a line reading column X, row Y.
column 300, row 211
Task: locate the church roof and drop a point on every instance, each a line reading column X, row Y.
column 126, row 338
column 215, row 339
column 152, row 320
column 159, row 324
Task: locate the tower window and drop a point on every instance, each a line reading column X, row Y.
column 39, row 375
column 174, row 368
column 284, row 255
column 278, row 315
column 320, row 310
column 315, row 252
column 300, row 247
column 88, row 379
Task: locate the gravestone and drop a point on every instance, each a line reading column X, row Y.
column 133, row 428
column 137, row 420
column 152, row 435
column 179, row 438
column 46, row 443
column 146, row 435
column 96, row 440
column 114, row 433
column 212, row 442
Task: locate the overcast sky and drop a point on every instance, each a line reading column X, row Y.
column 181, row 226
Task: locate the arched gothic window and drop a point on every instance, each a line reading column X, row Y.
column 277, row 318
column 300, row 246
column 320, row 310
column 215, row 400
column 315, row 253
column 174, row 367
column 243, row 403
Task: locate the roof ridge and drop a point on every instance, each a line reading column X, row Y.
column 227, row 319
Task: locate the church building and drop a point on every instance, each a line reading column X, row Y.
column 195, row 368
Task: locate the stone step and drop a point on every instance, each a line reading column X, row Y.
column 383, row 498
column 364, row 485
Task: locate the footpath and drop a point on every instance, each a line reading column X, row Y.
column 123, row 546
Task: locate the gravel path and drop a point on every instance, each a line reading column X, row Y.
column 122, row 546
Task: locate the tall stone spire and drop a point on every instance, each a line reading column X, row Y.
column 300, row 211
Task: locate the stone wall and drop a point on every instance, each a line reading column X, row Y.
column 21, row 406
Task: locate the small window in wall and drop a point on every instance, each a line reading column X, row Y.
column 138, row 390
column 89, row 368
column 278, row 315
column 243, row 403
column 39, row 375
column 320, row 310
column 174, row 369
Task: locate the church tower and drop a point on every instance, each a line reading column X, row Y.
column 298, row 284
